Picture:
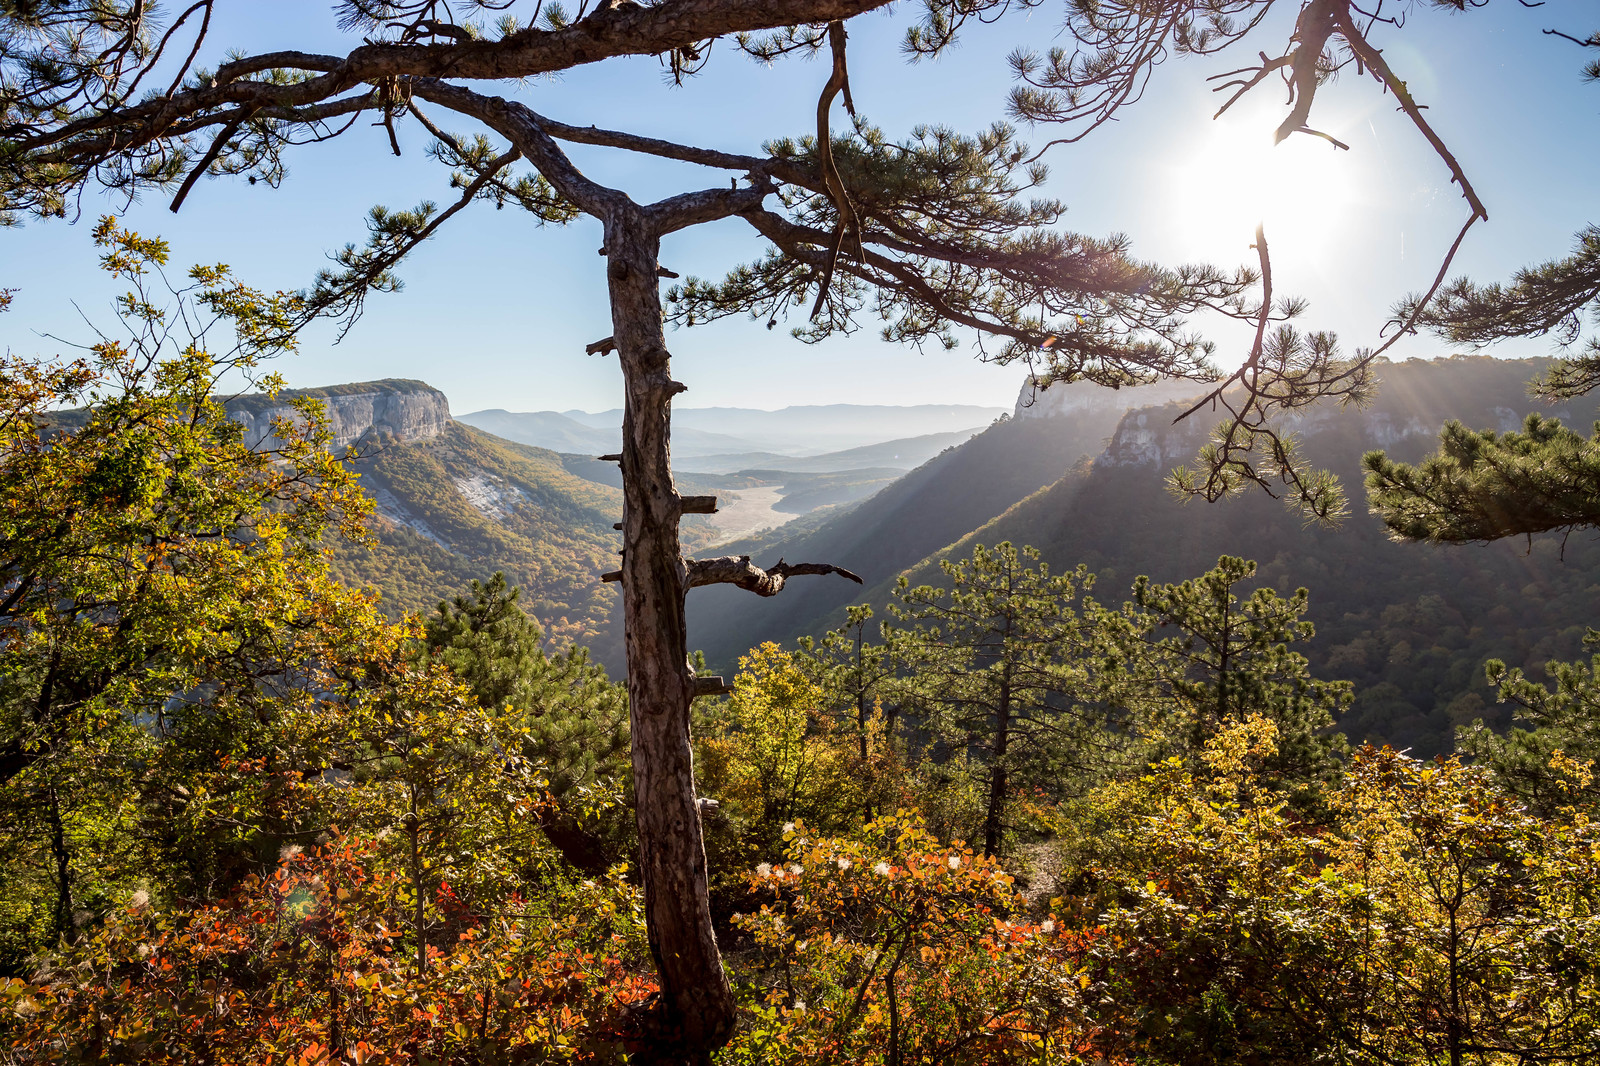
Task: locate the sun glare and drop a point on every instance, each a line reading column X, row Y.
column 1225, row 184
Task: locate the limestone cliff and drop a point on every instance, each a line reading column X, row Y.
column 394, row 408
column 1415, row 398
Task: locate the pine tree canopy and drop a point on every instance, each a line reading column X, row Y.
column 1483, row 486
column 1550, row 298
column 933, row 233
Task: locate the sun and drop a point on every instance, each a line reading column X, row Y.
column 1233, row 177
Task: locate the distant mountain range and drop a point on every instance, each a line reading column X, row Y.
column 738, row 436
column 455, row 502
column 1410, row 624
column 905, row 454
column 561, row 433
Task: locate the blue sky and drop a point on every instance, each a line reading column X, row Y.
column 496, row 311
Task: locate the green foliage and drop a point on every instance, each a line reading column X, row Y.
column 1435, row 920
column 1487, row 485
column 1565, row 720
column 186, row 690
column 1201, row 661
column 167, row 601
column 1193, row 865
column 852, row 675
column 772, row 757
column 559, row 713
column 1543, row 299
column 998, row 667
column 245, row 818
column 552, row 536
column 987, row 254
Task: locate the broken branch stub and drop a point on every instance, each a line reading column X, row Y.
column 713, row 685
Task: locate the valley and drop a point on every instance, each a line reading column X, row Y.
column 1410, row 624
column 1076, row 471
column 748, row 511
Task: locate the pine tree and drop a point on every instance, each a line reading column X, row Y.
column 1560, row 730
column 488, row 642
column 1202, row 661
column 1550, row 298
column 1480, row 485
column 854, row 674
column 995, row 665
column 1483, row 486
column 568, row 718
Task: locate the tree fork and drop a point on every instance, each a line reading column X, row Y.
column 695, row 1013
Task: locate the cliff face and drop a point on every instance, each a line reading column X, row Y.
column 397, row 409
column 1415, row 399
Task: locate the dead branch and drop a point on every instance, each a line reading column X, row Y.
column 713, row 685
column 201, row 167
column 1251, row 366
column 611, row 31
column 1246, row 84
column 1311, row 33
column 838, row 81
column 739, row 570
column 1380, row 68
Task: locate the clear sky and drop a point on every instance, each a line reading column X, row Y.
column 496, row 311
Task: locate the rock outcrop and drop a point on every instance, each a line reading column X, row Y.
column 395, row 408
column 1415, row 398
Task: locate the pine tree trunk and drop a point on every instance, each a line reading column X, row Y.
column 696, row 1000
column 994, row 819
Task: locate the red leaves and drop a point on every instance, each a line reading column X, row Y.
column 300, row 967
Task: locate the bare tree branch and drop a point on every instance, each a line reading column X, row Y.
column 614, row 29
column 849, row 224
column 739, row 570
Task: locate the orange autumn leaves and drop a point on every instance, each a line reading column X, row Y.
column 310, row 965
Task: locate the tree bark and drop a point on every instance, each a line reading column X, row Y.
column 696, row 1009
column 62, row 922
column 993, row 822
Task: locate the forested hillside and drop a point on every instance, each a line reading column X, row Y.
column 1410, row 624
column 464, row 504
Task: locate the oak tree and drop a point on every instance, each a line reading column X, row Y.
column 164, row 599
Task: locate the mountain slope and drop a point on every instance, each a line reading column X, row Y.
column 1411, row 624
column 740, row 431
column 543, row 429
column 906, row 453
column 462, row 504
column 559, row 432
column 939, row 502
